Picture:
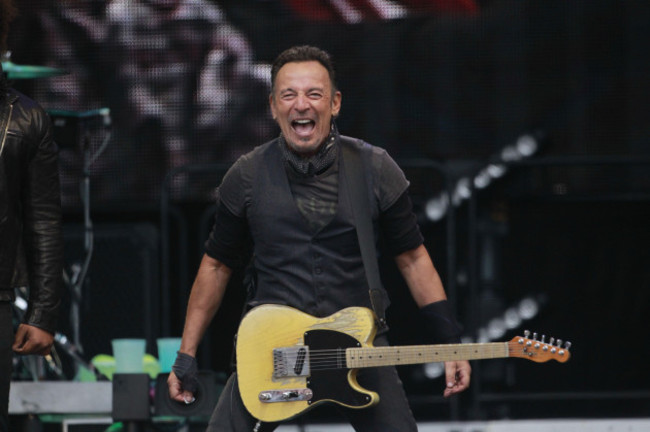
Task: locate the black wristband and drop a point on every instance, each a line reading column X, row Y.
column 187, row 370
column 439, row 323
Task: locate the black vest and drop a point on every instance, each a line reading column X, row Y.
column 317, row 273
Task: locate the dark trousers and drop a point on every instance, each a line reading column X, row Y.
column 6, row 356
column 391, row 414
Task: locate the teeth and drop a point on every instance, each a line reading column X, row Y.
column 302, row 121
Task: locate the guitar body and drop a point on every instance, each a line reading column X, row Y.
column 257, row 369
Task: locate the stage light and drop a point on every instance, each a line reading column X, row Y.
column 482, row 179
column 434, row 370
column 462, row 191
column 496, row 328
column 436, row 207
column 526, row 145
column 512, row 318
column 496, row 170
column 528, row 308
column 510, row 154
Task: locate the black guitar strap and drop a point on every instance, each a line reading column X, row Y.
column 359, row 199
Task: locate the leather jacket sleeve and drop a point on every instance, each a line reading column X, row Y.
column 41, row 209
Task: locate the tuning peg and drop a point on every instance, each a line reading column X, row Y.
column 526, row 333
column 559, row 343
column 543, row 338
column 535, row 336
column 551, row 341
column 567, row 345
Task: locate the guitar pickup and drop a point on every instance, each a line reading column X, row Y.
column 290, row 362
column 290, row 395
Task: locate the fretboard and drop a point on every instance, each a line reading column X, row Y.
column 415, row 354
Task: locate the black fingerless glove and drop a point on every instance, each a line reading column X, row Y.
column 439, row 323
column 187, row 370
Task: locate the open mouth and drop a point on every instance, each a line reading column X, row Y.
column 303, row 126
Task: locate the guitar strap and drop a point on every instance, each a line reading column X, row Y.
column 358, row 195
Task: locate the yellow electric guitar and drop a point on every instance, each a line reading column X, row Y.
column 289, row 361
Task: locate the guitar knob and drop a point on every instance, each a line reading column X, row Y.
column 265, row 396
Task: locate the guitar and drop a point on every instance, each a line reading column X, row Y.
column 289, row 361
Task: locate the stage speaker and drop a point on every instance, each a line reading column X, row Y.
column 131, row 397
column 210, row 386
column 119, row 298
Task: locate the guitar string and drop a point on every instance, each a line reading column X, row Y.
column 335, row 358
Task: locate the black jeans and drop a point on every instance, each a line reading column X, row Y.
column 6, row 356
column 391, row 414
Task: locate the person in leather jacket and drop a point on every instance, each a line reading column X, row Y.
column 31, row 240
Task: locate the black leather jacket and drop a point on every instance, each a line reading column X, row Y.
column 30, row 208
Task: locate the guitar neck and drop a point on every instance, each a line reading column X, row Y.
column 416, row 354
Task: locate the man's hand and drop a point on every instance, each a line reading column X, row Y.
column 457, row 375
column 32, row 340
column 176, row 391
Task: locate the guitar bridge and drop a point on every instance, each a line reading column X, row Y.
column 290, row 362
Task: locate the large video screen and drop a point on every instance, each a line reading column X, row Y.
column 150, row 86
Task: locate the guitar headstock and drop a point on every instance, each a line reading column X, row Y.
column 539, row 350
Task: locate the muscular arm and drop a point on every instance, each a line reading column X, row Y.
column 426, row 287
column 421, row 276
column 206, row 296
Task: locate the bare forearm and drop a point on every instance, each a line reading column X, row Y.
column 421, row 276
column 206, row 296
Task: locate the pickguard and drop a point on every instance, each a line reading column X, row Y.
column 332, row 383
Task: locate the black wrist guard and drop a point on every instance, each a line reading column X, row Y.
column 187, row 370
column 439, row 323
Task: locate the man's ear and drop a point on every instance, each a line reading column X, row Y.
column 336, row 104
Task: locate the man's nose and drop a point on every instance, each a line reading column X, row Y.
column 302, row 102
